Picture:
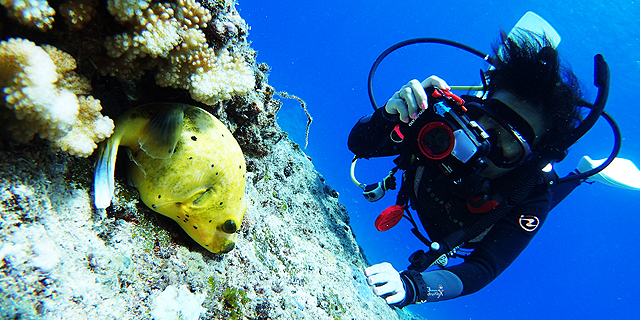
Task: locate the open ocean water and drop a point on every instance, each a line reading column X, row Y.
column 583, row 263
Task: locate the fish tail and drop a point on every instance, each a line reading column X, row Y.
column 104, row 181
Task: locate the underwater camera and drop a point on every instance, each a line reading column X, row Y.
column 443, row 134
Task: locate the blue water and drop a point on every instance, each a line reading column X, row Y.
column 583, row 262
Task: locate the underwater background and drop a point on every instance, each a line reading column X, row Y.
column 583, row 263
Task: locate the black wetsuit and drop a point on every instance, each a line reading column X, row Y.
column 442, row 213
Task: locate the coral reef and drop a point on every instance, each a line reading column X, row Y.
column 31, row 13
column 78, row 13
column 167, row 39
column 40, row 87
column 295, row 257
column 178, row 303
column 174, row 33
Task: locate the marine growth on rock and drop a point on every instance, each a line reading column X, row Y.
column 66, row 69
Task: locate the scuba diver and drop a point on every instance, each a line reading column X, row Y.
column 476, row 168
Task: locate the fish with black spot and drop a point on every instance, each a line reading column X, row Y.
column 186, row 165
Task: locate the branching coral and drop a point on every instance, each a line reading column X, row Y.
column 43, row 95
column 88, row 129
column 125, row 10
column 173, row 32
column 209, row 76
column 32, row 13
column 39, row 86
column 28, row 78
column 78, row 12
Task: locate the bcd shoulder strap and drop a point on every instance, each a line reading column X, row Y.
column 515, row 188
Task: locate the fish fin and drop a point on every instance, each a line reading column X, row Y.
column 202, row 196
column 161, row 134
column 136, row 175
column 103, row 179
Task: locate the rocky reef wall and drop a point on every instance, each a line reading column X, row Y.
column 60, row 258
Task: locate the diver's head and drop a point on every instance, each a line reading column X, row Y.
column 512, row 140
column 529, row 79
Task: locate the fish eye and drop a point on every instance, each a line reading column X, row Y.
column 229, row 226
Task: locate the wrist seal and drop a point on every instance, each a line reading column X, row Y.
column 420, row 289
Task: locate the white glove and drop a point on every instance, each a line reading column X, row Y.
column 412, row 97
column 386, row 281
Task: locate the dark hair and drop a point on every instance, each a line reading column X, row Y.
column 528, row 66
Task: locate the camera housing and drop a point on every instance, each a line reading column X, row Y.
column 445, row 136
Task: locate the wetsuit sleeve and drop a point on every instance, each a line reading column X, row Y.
column 490, row 257
column 503, row 243
column 437, row 285
column 370, row 137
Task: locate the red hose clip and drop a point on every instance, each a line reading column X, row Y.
column 439, row 93
column 396, row 129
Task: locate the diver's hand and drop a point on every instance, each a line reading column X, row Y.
column 386, row 281
column 412, row 97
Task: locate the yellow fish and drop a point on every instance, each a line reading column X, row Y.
column 186, row 165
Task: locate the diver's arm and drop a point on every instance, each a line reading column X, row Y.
column 409, row 287
column 491, row 256
column 497, row 250
column 503, row 243
column 436, row 285
column 371, row 136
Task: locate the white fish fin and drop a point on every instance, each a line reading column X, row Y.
column 103, row 180
column 161, row 134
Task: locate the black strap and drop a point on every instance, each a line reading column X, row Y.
column 516, row 188
column 419, row 235
column 421, row 290
column 404, row 197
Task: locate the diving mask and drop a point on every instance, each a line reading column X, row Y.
column 448, row 134
column 508, row 139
